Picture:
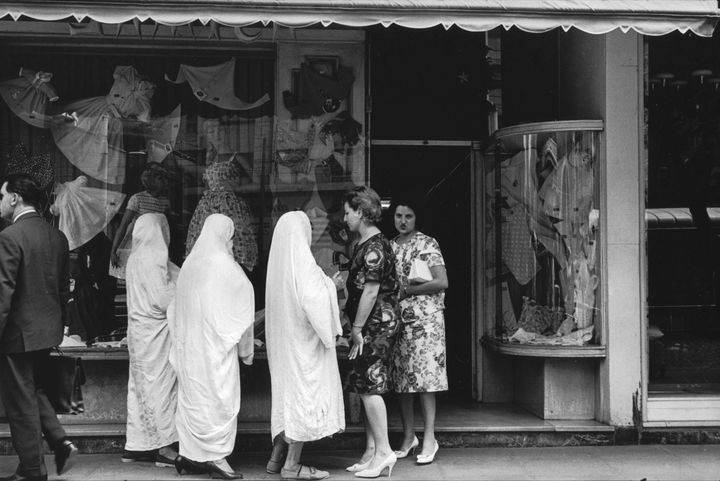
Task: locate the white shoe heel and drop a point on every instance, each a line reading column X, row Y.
column 404, row 454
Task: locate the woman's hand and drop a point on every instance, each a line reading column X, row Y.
column 338, row 280
column 357, row 342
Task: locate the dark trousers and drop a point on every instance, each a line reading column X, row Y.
column 29, row 412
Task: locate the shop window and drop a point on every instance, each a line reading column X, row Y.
column 682, row 101
column 205, row 124
column 541, row 234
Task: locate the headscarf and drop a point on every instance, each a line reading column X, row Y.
column 295, row 280
column 148, row 266
column 212, row 275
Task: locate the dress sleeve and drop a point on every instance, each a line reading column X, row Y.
column 431, row 254
column 373, row 262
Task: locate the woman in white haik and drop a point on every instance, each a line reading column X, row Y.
column 302, row 319
column 211, row 326
column 152, row 385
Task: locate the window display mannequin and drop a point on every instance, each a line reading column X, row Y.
column 222, row 180
column 151, row 200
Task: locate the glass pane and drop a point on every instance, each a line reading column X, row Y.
column 541, row 232
column 682, row 95
column 124, row 139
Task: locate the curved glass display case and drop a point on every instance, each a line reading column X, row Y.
column 541, row 226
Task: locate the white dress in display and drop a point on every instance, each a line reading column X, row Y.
column 211, row 323
column 84, row 211
column 28, row 96
column 95, row 143
column 152, row 384
column 301, row 322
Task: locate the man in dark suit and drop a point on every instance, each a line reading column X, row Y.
column 34, row 289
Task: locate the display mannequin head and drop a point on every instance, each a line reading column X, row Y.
column 154, row 178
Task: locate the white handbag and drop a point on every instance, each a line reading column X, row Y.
column 419, row 272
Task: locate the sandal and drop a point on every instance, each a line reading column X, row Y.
column 305, row 472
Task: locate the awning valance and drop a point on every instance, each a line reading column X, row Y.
column 648, row 17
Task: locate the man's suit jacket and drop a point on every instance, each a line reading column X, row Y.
column 34, row 285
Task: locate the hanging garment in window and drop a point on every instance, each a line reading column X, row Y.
column 94, row 144
column 215, row 85
column 84, row 211
column 28, row 95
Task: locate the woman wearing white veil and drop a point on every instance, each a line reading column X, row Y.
column 302, row 320
column 211, row 326
column 152, row 384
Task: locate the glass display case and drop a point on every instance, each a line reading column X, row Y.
column 541, row 227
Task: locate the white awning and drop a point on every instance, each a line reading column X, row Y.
column 648, row 17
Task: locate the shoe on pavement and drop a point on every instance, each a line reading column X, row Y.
column 65, row 455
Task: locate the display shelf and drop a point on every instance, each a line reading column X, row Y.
column 121, row 353
column 279, row 187
column 532, row 350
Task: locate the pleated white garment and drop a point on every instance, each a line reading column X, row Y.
column 84, row 211
column 213, row 311
column 301, row 322
column 152, row 384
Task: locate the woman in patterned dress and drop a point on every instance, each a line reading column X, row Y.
column 372, row 307
column 418, row 360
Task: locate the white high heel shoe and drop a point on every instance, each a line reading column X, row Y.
column 359, row 466
column 388, row 463
column 403, row 454
column 428, row 458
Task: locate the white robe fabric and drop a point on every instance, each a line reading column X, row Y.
column 211, row 326
column 84, row 211
column 152, row 384
column 301, row 321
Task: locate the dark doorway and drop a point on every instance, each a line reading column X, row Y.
column 431, row 85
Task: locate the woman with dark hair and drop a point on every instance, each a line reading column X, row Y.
column 418, row 358
column 372, row 307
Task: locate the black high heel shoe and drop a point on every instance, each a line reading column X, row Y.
column 217, row 472
column 184, row 465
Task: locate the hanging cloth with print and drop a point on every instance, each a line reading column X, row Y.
column 215, row 85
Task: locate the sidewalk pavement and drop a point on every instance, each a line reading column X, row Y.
column 651, row 462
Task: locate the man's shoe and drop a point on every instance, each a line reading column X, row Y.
column 17, row 477
column 65, row 455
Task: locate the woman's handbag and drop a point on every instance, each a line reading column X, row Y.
column 62, row 380
column 419, row 272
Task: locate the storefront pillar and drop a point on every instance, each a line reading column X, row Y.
column 600, row 77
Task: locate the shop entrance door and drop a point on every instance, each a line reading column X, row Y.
column 442, row 176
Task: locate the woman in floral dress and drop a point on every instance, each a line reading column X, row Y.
column 372, row 308
column 418, row 361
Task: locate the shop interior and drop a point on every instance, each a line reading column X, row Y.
column 682, row 199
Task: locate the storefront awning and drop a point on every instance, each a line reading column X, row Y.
column 648, row 17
